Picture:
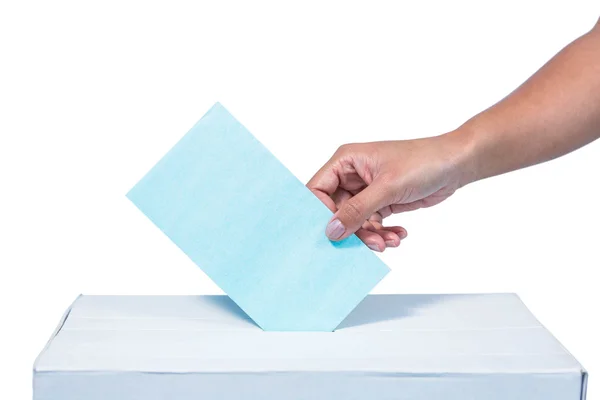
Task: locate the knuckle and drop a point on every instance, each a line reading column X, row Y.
column 352, row 211
column 345, row 149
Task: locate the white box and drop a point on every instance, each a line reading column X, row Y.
column 396, row 347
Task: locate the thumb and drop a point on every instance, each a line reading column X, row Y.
column 356, row 210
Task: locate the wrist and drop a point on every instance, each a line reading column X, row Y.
column 462, row 143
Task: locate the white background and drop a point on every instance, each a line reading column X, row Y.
column 91, row 96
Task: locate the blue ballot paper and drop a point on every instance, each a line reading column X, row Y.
column 255, row 229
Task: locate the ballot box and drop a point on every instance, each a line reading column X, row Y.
column 400, row 347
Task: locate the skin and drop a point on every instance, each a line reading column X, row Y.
column 554, row 112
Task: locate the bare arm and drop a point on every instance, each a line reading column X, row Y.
column 556, row 111
column 553, row 113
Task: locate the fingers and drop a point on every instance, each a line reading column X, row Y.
column 390, row 238
column 326, row 180
column 378, row 237
column 372, row 239
column 391, row 235
column 356, row 210
column 353, row 204
column 325, row 199
column 324, row 184
column 398, row 230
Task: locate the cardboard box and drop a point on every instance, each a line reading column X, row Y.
column 397, row 347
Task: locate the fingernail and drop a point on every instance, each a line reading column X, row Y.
column 390, row 243
column 335, row 229
column 374, row 247
column 403, row 235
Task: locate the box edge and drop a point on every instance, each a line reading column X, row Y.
column 57, row 330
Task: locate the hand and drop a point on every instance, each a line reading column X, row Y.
column 366, row 182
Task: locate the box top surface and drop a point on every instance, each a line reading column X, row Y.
column 400, row 334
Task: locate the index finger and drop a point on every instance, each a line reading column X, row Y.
column 324, row 183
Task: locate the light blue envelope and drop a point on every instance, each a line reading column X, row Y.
column 255, row 229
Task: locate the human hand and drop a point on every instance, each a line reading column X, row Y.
column 367, row 182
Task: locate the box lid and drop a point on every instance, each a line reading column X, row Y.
column 406, row 334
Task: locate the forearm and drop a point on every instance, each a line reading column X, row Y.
column 554, row 112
